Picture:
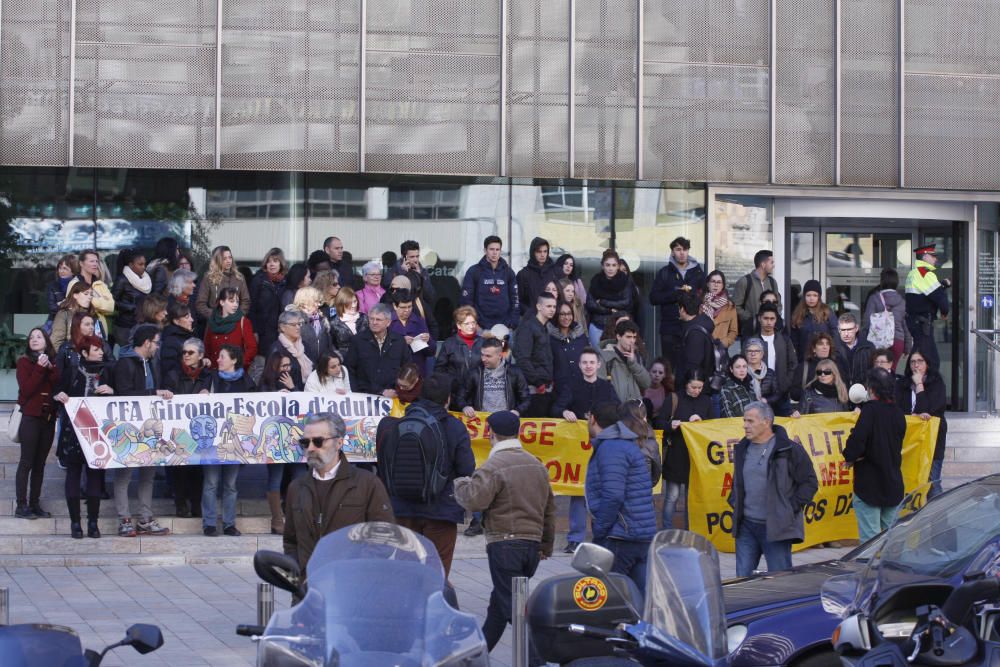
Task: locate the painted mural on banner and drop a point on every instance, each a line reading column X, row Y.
column 201, row 429
column 830, row 516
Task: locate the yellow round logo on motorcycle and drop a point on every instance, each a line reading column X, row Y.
column 590, row 593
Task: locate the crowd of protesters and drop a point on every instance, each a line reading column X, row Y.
column 539, row 342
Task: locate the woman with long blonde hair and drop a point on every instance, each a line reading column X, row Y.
column 221, row 274
column 826, row 392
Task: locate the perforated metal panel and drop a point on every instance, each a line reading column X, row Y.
column 432, row 94
column 538, row 88
column 804, row 83
column 188, row 22
column 952, row 132
column 869, row 124
column 707, row 31
column 606, row 52
column 34, row 83
column 706, row 123
column 290, row 82
column 145, row 106
column 953, row 36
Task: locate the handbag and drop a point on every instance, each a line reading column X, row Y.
column 14, row 424
column 882, row 326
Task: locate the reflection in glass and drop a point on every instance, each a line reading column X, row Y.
column 742, row 226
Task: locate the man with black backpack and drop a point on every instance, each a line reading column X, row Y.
column 419, row 457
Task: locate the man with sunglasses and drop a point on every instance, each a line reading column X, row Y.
column 926, row 296
column 335, row 494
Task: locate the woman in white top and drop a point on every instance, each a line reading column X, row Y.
column 330, row 375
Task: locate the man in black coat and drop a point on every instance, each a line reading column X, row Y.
column 376, row 355
column 493, row 385
column 779, row 355
column 539, row 270
column 583, row 389
column 533, row 354
column 682, row 274
column 340, row 261
column 853, row 354
column 136, row 374
column 409, row 260
column 698, row 348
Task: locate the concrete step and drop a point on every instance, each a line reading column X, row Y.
column 176, row 545
column 108, row 524
column 162, row 507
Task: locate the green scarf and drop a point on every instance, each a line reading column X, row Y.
column 223, row 325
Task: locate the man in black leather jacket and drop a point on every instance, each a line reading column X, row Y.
column 494, row 384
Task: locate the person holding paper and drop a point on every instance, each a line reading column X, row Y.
column 413, row 328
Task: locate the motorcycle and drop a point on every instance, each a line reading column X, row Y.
column 683, row 619
column 376, row 595
column 930, row 595
column 30, row 644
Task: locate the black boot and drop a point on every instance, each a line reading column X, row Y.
column 23, row 512
column 183, row 508
column 75, row 531
column 93, row 510
column 37, row 510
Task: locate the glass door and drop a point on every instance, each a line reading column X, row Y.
column 854, row 263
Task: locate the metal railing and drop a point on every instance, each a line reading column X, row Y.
column 988, row 373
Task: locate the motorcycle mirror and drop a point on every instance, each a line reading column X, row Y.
column 279, row 570
column 144, row 638
column 592, row 559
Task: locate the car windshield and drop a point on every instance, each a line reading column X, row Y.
column 374, row 597
column 940, row 539
column 36, row 644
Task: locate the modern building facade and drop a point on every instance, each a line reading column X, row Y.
column 841, row 133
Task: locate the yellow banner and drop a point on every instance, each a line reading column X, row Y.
column 830, row 516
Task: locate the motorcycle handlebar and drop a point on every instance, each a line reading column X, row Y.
column 249, row 630
column 960, row 601
column 591, row 631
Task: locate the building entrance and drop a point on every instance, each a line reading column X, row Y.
column 847, row 256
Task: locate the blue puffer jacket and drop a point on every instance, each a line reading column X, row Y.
column 618, row 491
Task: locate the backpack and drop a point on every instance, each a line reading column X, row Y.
column 414, row 460
column 720, row 359
column 882, row 326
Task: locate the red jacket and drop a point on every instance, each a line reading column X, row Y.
column 35, row 388
column 241, row 336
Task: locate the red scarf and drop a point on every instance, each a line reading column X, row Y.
column 183, row 298
column 276, row 277
column 192, row 373
column 468, row 340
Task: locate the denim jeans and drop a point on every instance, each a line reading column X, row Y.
column 577, row 519
column 144, row 492
column 276, row 471
column 595, row 336
column 672, row 492
column 751, row 543
column 508, row 559
column 935, row 478
column 210, row 493
column 630, row 560
column 872, row 519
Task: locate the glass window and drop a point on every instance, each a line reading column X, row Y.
column 741, row 227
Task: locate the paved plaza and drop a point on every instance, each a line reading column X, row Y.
column 198, row 606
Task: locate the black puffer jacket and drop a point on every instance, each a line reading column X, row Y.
column 531, row 280
column 457, row 360
column 566, row 350
column 127, row 301
column 609, row 296
column 265, row 307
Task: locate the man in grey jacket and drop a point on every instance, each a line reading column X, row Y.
column 622, row 364
column 512, row 489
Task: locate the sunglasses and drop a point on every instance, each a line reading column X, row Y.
column 315, row 442
column 188, row 353
column 827, row 372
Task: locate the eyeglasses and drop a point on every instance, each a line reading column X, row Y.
column 292, row 324
column 315, row 442
column 824, row 372
column 189, row 353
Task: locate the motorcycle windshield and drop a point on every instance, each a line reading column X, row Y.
column 684, row 592
column 374, row 598
column 36, row 644
column 933, row 540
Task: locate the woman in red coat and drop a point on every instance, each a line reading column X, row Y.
column 37, row 378
column 228, row 326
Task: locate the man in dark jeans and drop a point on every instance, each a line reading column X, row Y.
column 512, row 487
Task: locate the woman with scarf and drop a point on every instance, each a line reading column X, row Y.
column 409, row 382
column 821, row 347
column 811, row 317
column 717, row 305
column 330, row 376
column 265, row 297
column 221, row 274
column 737, row 393
column 316, row 329
column 191, row 376
column 568, row 339
column 95, row 275
column 37, row 379
column 181, row 287
column 228, row 326
column 67, row 358
column 825, row 392
column 690, row 405
column 229, row 378
column 290, row 325
column 90, row 378
column 460, row 353
column 79, row 300
column 611, row 293
column 372, row 291
column 347, row 320
column 67, row 267
column 763, row 381
column 132, row 286
column 567, row 269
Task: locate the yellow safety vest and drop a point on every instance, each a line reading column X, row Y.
column 921, row 279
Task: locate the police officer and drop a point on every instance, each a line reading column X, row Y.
column 926, row 296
